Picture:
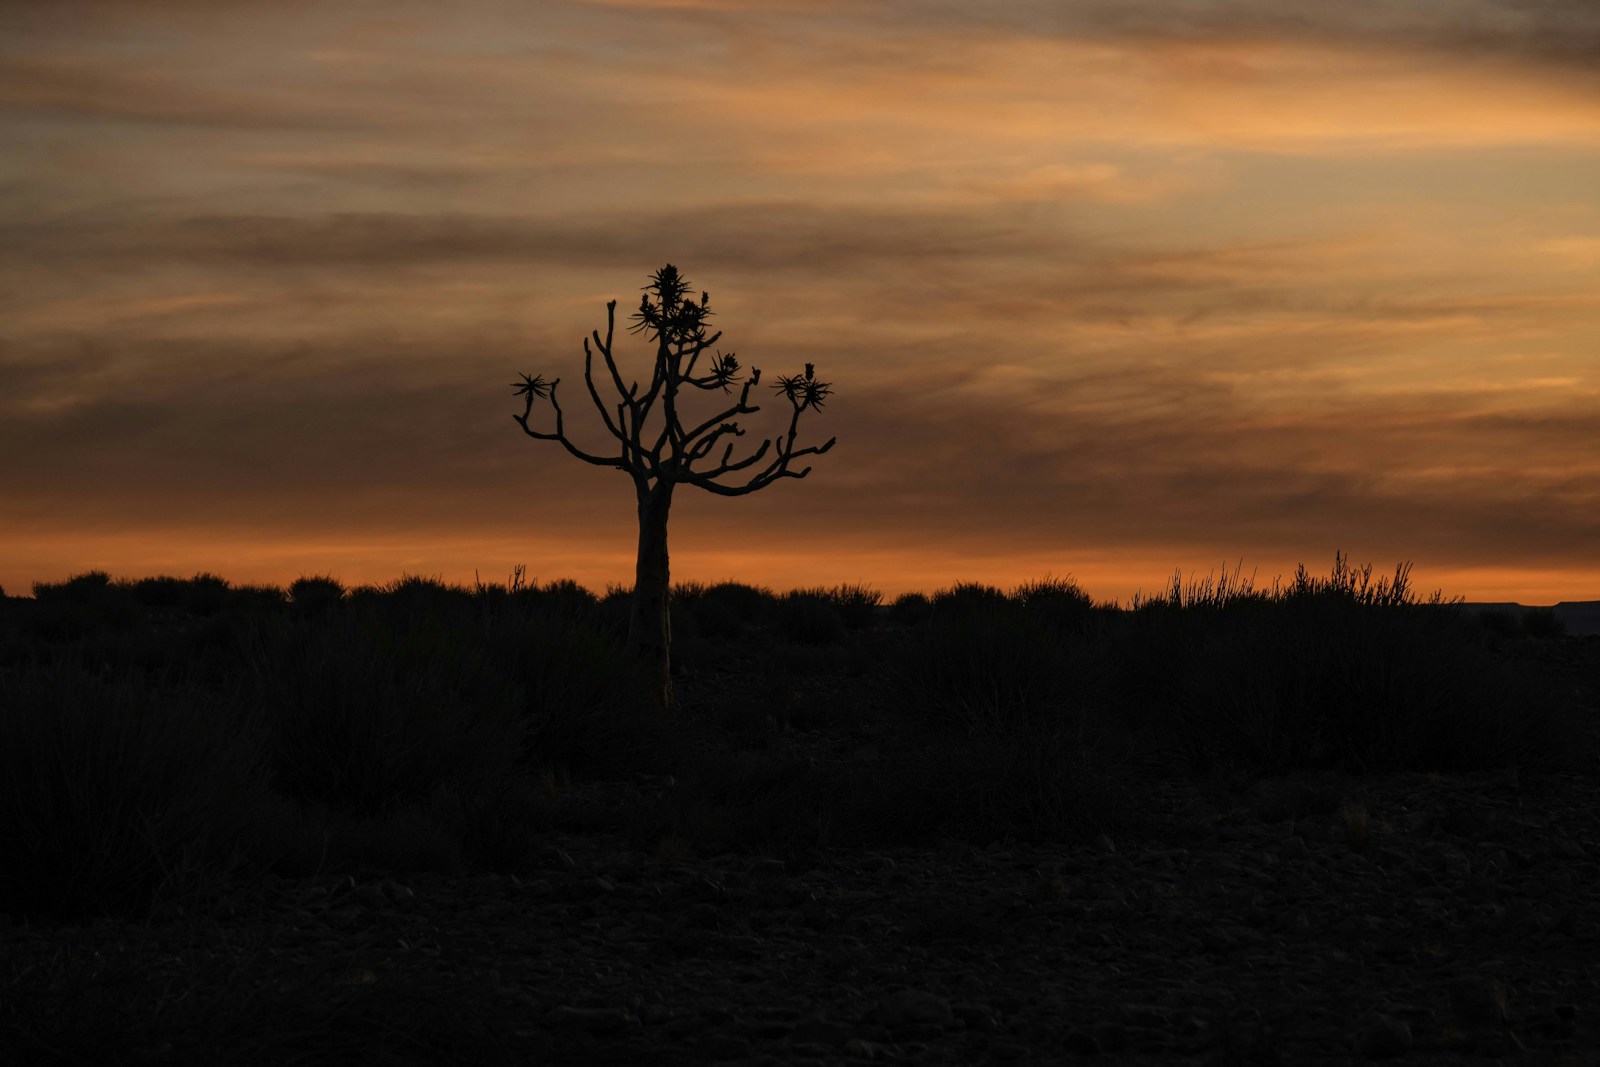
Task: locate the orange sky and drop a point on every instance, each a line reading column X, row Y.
column 1104, row 289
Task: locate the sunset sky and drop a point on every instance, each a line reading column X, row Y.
column 1105, row 289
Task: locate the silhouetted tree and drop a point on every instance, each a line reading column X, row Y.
column 659, row 460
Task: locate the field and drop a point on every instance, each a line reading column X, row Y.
column 189, row 757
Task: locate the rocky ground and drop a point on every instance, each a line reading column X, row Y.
column 1315, row 919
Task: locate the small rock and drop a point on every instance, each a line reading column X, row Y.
column 591, row 1020
column 913, row 1008
column 976, row 1016
column 726, row 1047
column 868, row 1050
column 1478, row 1003
column 820, row 1031
column 1380, row 1036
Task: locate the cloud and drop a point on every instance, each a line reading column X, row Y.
column 95, row 87
column 1091, row 279
column 1539, row 32
column 788, row 235
column 1136, row 457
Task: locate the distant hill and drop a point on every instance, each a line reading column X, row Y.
column 1582, row 617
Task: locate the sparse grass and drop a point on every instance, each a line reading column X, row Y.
column 111, row 783
column 166, row 738
column 1543, row 623
column 751, row 604
column 1323, row 681
column 740, row 802
column 856, row 605
column 908, row 610
column 1057, row 602
column 315, row 592
column 967, row 594
column 419, row 725
column 810, row 617
column 376, row 709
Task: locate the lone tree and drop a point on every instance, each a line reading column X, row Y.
column 659, row 460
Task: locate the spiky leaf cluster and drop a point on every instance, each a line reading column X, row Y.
column 666, row 314
column 724, row 371
column 804, row 391
column 533, row 387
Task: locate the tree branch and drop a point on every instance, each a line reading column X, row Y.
column 741, row 408
column 605, row 349
column 700, row 345
column 522, row 420
column 703, row 478
column 594, row 395
column 703, row 448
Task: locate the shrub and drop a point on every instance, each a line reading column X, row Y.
column 585, row 701
column 909, row 609
column 567, row 598
column 299, row 839
column 207, row 594
column 1348, row 583
column 750, row 604
column 414, row 592
column 497, row 823
column 723, row 611
column 1500, row 622
column 1049, row 785
column 856, row 604
column 83, row 606
column 81, row 590
column 613, row 610
column 984, row 662
column 1051, row 590
column 1208, row 592
column 714, row 619
column 370, row 710
column 1363, row 686
column 807, row 619
column 366, row 596
column 743, row 802
column 1059, row 602
column 1543, row 623
column 257, row 598
column 109, row 784
column 315, row 593
column 163, row 591
column 964, row 595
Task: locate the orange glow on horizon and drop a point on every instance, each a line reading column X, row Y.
column 376, row 561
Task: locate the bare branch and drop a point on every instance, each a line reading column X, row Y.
column 658, row 378
column 778, row 468
column 703, row 447
column 588, row 380
column 700, row 345
column 531, row 389
column 605, row 347
column 741, row 408
column 704, row 478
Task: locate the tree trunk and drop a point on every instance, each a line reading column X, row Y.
column 649, row 624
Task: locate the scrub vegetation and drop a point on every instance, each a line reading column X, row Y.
column 161, row 737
